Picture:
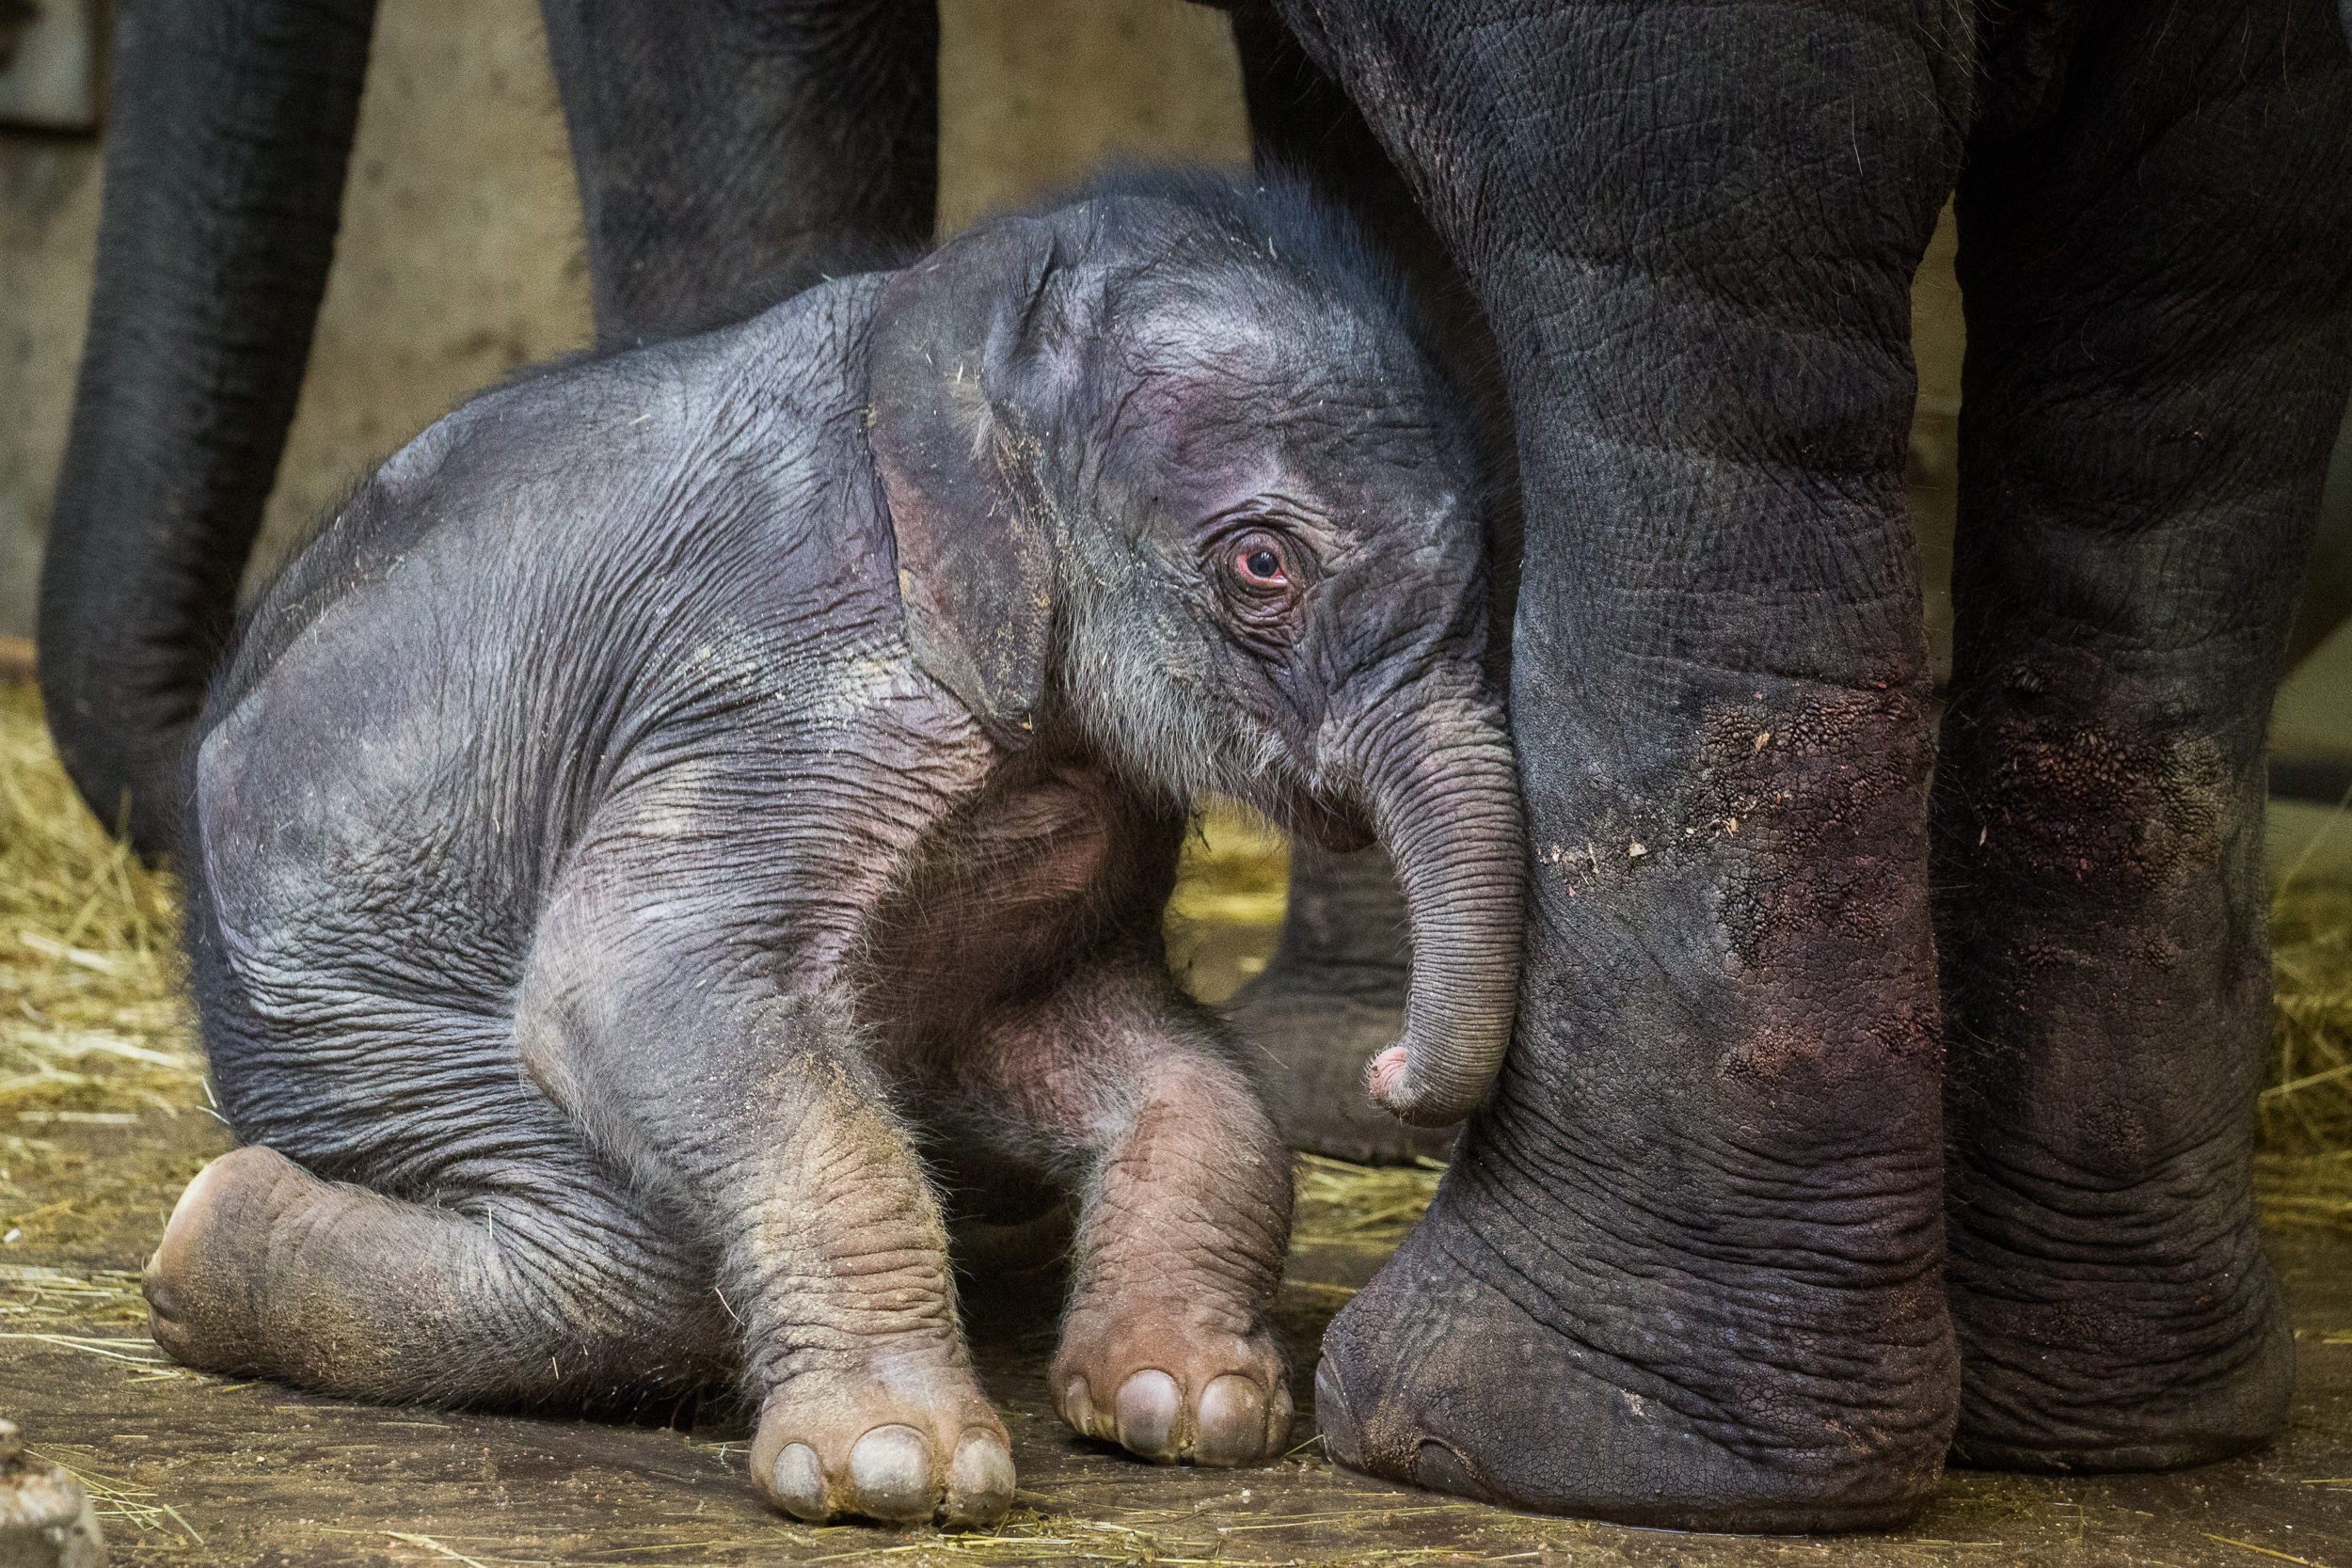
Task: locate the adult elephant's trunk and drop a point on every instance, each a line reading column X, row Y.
column 1445, row 803
column 230, row 125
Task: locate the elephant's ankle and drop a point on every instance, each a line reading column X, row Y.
column 2106, row 983
column 2112, row 1330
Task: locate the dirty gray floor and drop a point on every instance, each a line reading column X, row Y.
column 197, row 1469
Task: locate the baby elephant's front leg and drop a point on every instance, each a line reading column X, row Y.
column 869, row 1402
column 1167, row 1347
column 759, row 1110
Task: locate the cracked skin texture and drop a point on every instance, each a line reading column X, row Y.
column 596, row 1022
column 1799, row 1375
column 2118, row 1311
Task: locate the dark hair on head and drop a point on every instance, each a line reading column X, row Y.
column 1273, row 221
column 1270, row 220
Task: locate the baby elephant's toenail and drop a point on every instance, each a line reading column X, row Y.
column 1233, row 1423
column 890, row 1467
column 799, row 1482
column 1077, row 1408
column 980, row 1482
column 1149, row 1403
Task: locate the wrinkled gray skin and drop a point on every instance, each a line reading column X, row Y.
column 687, row 796
column 1849, row 1125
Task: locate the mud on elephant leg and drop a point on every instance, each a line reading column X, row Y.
column 569, row 1291
column 2159, row 341
column 1684, row 1269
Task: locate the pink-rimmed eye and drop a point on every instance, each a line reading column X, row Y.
column 1264, row 577
column 1260, row 563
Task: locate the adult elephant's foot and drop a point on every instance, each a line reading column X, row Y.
column 1684, row 1270
column 1331, row 1000
column 1743, row 1386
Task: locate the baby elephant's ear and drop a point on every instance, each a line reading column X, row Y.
column 976, row 568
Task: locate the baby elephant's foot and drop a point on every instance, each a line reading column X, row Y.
column 830, row 1447
column 207, row 1280
column 1172, row 1392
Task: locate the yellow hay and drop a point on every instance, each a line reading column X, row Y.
column 93, row 1024
column 2308, row 1107
column 1235, row 871
column 1344, row 1202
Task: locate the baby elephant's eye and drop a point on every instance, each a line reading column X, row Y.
column 1261, row 560
column 1265, row 577
column 1261, row 564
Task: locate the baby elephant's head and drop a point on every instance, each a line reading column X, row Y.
column 1169, row 471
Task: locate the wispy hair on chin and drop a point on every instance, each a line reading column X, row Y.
column 1133, row 708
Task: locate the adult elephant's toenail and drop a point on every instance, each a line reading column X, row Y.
column 1149, row 1403
column 1233, row 1423
column 1437, row 1466
column 1341, row 1435
column 799, row 1482
column 891, row 1470
column 980, row 1481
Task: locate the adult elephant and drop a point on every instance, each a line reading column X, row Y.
column 1757, row 1223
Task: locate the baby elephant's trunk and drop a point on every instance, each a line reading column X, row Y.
column 1446, row 804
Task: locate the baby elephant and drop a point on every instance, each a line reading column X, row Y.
column 697, row 822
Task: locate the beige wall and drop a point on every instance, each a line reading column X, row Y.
column 459, row 259
column 48, row 231
column 1932, row 475
column 460, row 254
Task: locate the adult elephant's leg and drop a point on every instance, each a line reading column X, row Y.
column 2159, row 339
column 230, row 125
column 724, row 160
column 729, row 157
column 1685, row 1267
column 1334, row 993
column 1331, row 998
column 1303, row 121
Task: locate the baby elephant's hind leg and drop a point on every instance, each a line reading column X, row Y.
column 1166, row 1347
column 572, row 1294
